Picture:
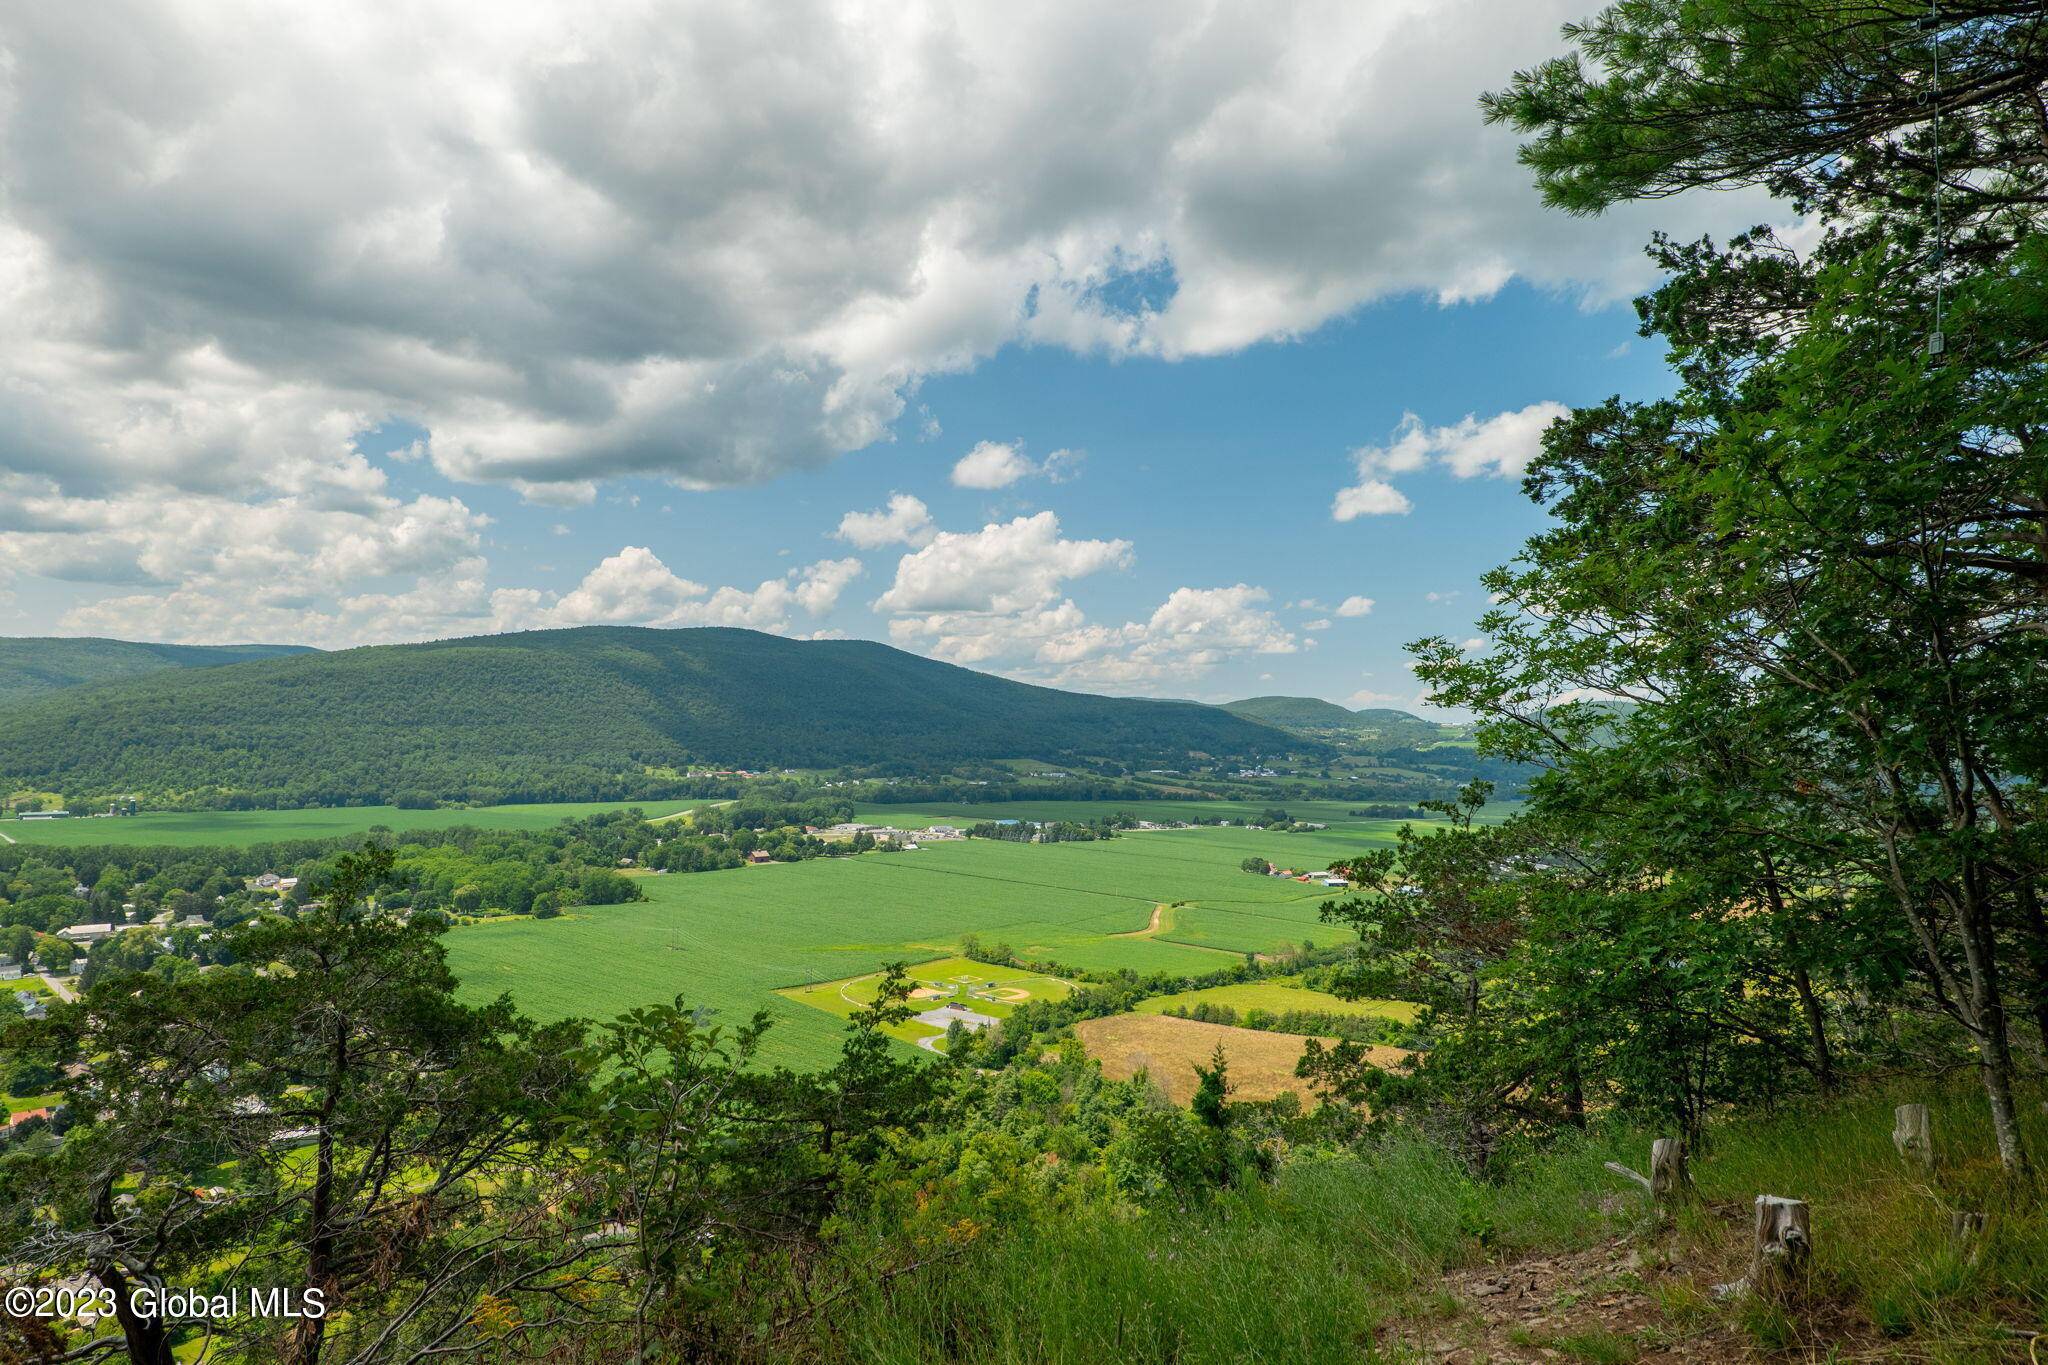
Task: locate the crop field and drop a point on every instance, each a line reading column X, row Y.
column 938, row 985
column 189, row 829
column 1169, row 1049
column 1279, row 995
column 733, row 940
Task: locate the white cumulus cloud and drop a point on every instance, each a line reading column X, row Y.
column 905, row 521
column 991, row 464
column 1187, row 636
column 1004, row 567
column 1355, row 606
column 1501, row 445
column 634, row 587
column 997, row 464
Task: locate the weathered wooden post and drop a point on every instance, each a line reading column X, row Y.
column 1784, row 1246
column 1670, row 1178
column 1913, row 1135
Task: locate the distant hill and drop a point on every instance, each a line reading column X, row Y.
column 569, row 714
column 1303, row 712
column 31, row 666
column 1382, row 727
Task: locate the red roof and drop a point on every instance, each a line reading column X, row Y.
column 25, row 1115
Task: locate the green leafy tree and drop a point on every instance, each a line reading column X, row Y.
column 369, row 1129
column 1830, row 535
column 1211, row 1103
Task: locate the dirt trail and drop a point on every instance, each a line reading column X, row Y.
column 1151, row 927
column 1606, row 1303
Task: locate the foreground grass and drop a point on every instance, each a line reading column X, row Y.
column 1295, row 1271
column 1306, row 1268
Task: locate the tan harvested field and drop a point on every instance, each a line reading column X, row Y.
column 1261, row 1064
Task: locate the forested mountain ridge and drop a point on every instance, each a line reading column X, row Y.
column 566, row 714
column 1313, row 715
column 31, row 666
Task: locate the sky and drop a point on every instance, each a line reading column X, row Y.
column 1151, row 349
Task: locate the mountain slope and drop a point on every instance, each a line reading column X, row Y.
column 1376, row 727
column 569, row 713
column 1293, row 712
column 31, row 666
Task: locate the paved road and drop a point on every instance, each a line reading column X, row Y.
column 63, row 991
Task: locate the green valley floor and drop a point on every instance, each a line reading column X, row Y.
column 732, row 940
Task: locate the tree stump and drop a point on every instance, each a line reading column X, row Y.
column 1670, row 1178
column 1784, row 1246
column 1913, row 1135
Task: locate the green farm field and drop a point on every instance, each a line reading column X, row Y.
column 985, row 989
column 1278, row 995
column 190, row 829
column 733, row 940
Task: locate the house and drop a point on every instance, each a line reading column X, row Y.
column 81, row 891
column 1338, row 882
column 267, row 882
column 10, row 970
column 32, row 1006
column 86, row 933
column 759, row 856
column 25, row 1115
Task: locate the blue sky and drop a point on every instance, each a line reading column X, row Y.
column 1128, row 348
column 1218, row 470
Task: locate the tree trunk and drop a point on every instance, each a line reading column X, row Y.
column 1802, row 982
column 1913, row 1135
column 1816, row 1029
column 1994, row 1039
column 147, row 1341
